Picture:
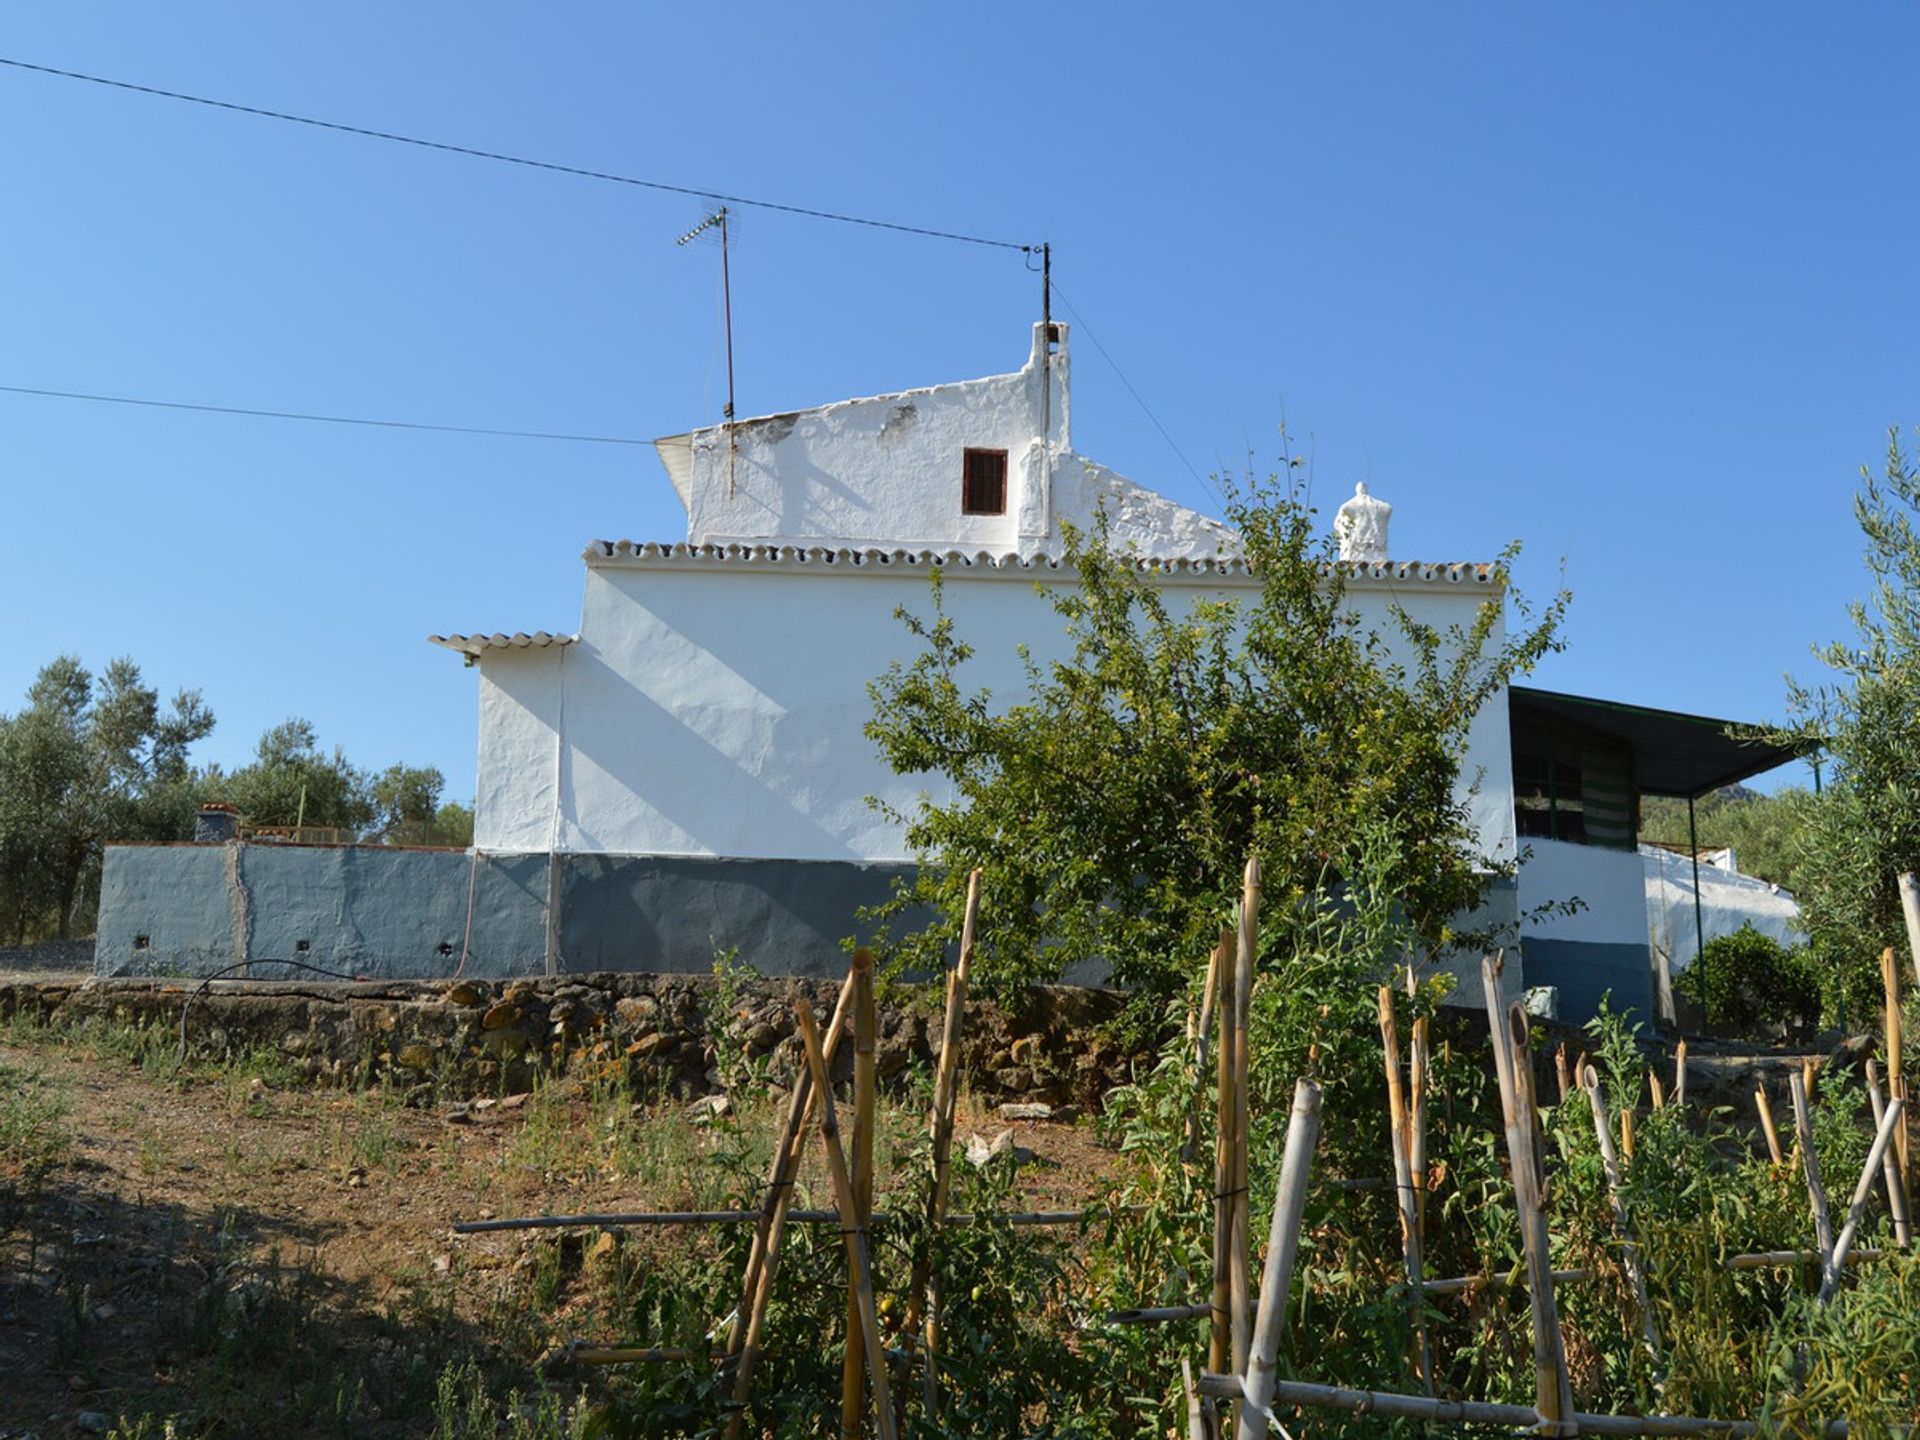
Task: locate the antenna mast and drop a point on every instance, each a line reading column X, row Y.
column 719, row 220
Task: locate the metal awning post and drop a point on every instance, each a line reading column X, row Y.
column 1699, row 916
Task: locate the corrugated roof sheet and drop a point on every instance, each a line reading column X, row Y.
column 630, row 552
column 472, row 646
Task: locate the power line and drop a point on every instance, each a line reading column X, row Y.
column 1140, row 400
column 323, row 419
column 521, row 160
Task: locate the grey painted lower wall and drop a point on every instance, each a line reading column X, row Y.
column 1582, row 971
column 390, row 913
column 385, row 913
column 372, row 911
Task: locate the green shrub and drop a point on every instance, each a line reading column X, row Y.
column 1746, row 979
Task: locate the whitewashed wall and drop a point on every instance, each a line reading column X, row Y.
column 1610, row 883
column 715, row 707
column 886, row 471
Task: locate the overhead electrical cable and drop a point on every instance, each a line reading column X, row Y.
column 324, row 419
column 1139, row 399
column 522, row 160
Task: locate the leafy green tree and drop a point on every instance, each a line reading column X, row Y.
column 84, row 762
column 452, row 824
column 292, row 781
column 1113, row 806
column 1865, row 829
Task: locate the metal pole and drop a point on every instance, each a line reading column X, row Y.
column 1699, row 917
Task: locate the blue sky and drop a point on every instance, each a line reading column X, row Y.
column 1633, row 284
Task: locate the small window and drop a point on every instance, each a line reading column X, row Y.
column 983, row 490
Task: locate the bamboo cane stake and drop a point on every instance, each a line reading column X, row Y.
column 779, row 1192
column 1417, row 1118
column 1889, row 1171
column 1561, row 1074
column 1910, row 908
column 763, row 1262
column 1403, row 1186
column 1202, row 1041
column 1622, row 1226
column 1680, row 1074
column 1240, row 1291
column 854, row 1233
column 1786, row 1259
column 1809, row 1072
column 1156, row 1314
column 1301, row 1394
column 924, row 1290
column 1810, row 1162
column 1467, row 1284
column 1657, row 1090
column 1220, row 1342
column 1757, row 1260
column 1490, row 967
column 1197, row 1428
column 1626, row 1135
column 1837, row 1258
column 616, row 1219
column 1553, row 1391
column 1283, row 1247
column 1767, row 1127
column 853, row 1372
column 1896, row 1081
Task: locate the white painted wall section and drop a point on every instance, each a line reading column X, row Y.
column 716, row 706
column 887, row 471
column 520, row 723
column 1611, row 883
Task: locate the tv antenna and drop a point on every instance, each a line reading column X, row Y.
column 718, row 221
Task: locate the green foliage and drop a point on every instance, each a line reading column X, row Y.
column 293, row 782
column 86, row 760
column 1113, row 807
column 1746, row 980
column 1865, row 829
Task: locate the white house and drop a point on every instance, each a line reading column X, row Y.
column 694, row 755
column 687, row 772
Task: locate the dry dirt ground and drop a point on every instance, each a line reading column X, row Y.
column 248, row 1256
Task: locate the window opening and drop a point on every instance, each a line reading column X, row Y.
column 983, row 488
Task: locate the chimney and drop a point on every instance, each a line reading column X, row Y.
column 216, row 824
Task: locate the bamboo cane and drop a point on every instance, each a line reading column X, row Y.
column 1156, row 1314
column 1403, row 1185
column 1810, row 1162
column 1490, row 967
column 1837, row 1258
column 1767, row 1127
column 1626, row 1135
column 1622, row 1226
column 1202, row 1040
column 1809, row 1072
column 1220, row 1340
column 854, row 1233
column 1553, row 1391
column 924, row 1290
column 1889, row 1170
column 1562, row 1075
column 853, row 1372
column 1467, row 1284
column 1283, row 1246
column 763, row 1260
column 1910, row 909
column 1240, row 1291
column 1417, row 1117
column 1896, row 1081
column 1680, row 1074
column 1197, row 1428
column 786, row 1155
column 1301, row 1394
column 1657, row 1090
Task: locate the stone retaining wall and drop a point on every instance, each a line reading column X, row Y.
column 683, row 1034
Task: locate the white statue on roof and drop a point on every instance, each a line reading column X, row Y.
column 1360, row 526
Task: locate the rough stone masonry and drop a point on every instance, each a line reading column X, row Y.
column 684, row 1035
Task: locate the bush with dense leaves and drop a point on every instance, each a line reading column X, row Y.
column 1747, row 980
